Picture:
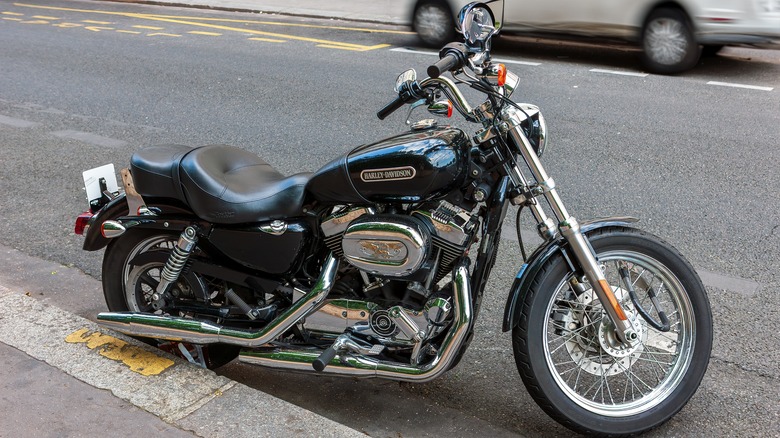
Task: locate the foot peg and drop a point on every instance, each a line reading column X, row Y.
column 345, row 342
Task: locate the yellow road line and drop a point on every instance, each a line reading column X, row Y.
column 13, row 13
column 148, row 27
column 35, row 22
column 96, row 22
column 97, row 28
column 129, row 31
column 66, row 25
column 137, row 359
column 211, row 26
column 12, row 19
column 267, row 40
column 163, row 34
column 44, row 17
column 197, row 32
column 279, row 23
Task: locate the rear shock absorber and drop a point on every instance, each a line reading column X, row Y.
column 175, row 264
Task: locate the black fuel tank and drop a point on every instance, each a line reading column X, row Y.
column 412, row 167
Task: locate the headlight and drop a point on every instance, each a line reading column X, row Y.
column 534, row 127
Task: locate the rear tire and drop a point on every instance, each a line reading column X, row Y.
column 568, row 357
column 117, row 271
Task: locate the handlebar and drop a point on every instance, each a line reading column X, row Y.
column 390, row 108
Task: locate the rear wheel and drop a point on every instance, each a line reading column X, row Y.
column 574, row 367
column 129, row 287
column 668, row 42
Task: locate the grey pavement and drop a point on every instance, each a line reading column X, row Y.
column 62, row 375
column 375, row 11
column 53, row 386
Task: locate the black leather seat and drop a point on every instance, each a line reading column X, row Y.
column 222, row 184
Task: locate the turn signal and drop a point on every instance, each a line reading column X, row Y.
column 501, row 75
column 82, row 223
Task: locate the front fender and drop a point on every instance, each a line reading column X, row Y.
column 539, row 257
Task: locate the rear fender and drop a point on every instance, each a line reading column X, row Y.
column 531, row 268
column 117, row 208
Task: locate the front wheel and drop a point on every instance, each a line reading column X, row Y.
column 567, row 353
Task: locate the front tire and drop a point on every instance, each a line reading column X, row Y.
column 575, row 369
column 128, row 288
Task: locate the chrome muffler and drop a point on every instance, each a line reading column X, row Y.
column 360, row 365
column 201, row 332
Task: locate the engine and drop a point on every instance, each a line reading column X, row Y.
column 399, row 246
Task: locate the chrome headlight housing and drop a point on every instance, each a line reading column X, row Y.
column 534, row 126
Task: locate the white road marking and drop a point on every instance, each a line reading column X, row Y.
column 501, row 60
column 749, row 87
column 16, row 123
column 87, row 137
column 617, row 72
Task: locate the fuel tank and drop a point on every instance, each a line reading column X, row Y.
column 413, row 167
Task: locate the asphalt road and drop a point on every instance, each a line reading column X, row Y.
column 87, row 83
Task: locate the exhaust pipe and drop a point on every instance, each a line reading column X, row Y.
column 356, row 365
column 203, row 332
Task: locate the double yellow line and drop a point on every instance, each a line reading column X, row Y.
column 189, row 22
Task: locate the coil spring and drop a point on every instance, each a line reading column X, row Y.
column 179, row 256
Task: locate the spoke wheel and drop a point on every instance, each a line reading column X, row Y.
column 128, row 287
column 576, row 368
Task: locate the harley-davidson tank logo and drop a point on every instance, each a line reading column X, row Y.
column 390, row 174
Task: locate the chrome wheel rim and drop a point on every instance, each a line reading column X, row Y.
column 666, row 41
column 138, row 297
column 619, row 383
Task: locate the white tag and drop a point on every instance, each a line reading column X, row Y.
column 92, row 181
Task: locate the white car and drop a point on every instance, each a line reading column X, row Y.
column 672, row 34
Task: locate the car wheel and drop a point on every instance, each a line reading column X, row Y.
column 668, row 43
column 434, row 23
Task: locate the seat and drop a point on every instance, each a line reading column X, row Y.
column 221, row 184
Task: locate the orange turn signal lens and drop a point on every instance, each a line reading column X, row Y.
column 501, row 75
column 449, row 109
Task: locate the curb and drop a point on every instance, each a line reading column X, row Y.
column 179, row 393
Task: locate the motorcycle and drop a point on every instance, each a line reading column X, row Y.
column 375, row 264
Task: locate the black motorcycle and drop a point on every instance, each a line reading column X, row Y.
column 375, row 264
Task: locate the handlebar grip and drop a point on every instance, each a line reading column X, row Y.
column 324, row 359
column 390, row 109
column 445, row 64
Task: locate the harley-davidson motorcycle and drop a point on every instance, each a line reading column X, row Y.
column 375, row 264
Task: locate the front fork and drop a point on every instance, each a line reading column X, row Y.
column 567, row 225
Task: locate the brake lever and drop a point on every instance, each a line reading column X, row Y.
column 412, row 107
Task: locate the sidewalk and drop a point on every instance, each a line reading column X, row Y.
column 396, row 12
column 67, row 390
column 87, row 381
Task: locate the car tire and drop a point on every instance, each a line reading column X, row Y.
column 434, row 22
column 668, row 42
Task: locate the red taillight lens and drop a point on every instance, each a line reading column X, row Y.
column 82, row 222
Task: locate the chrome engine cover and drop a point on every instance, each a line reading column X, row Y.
column 386, row 245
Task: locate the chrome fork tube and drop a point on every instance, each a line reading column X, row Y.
column 570, row 230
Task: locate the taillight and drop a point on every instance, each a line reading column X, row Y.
column 82, row 223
